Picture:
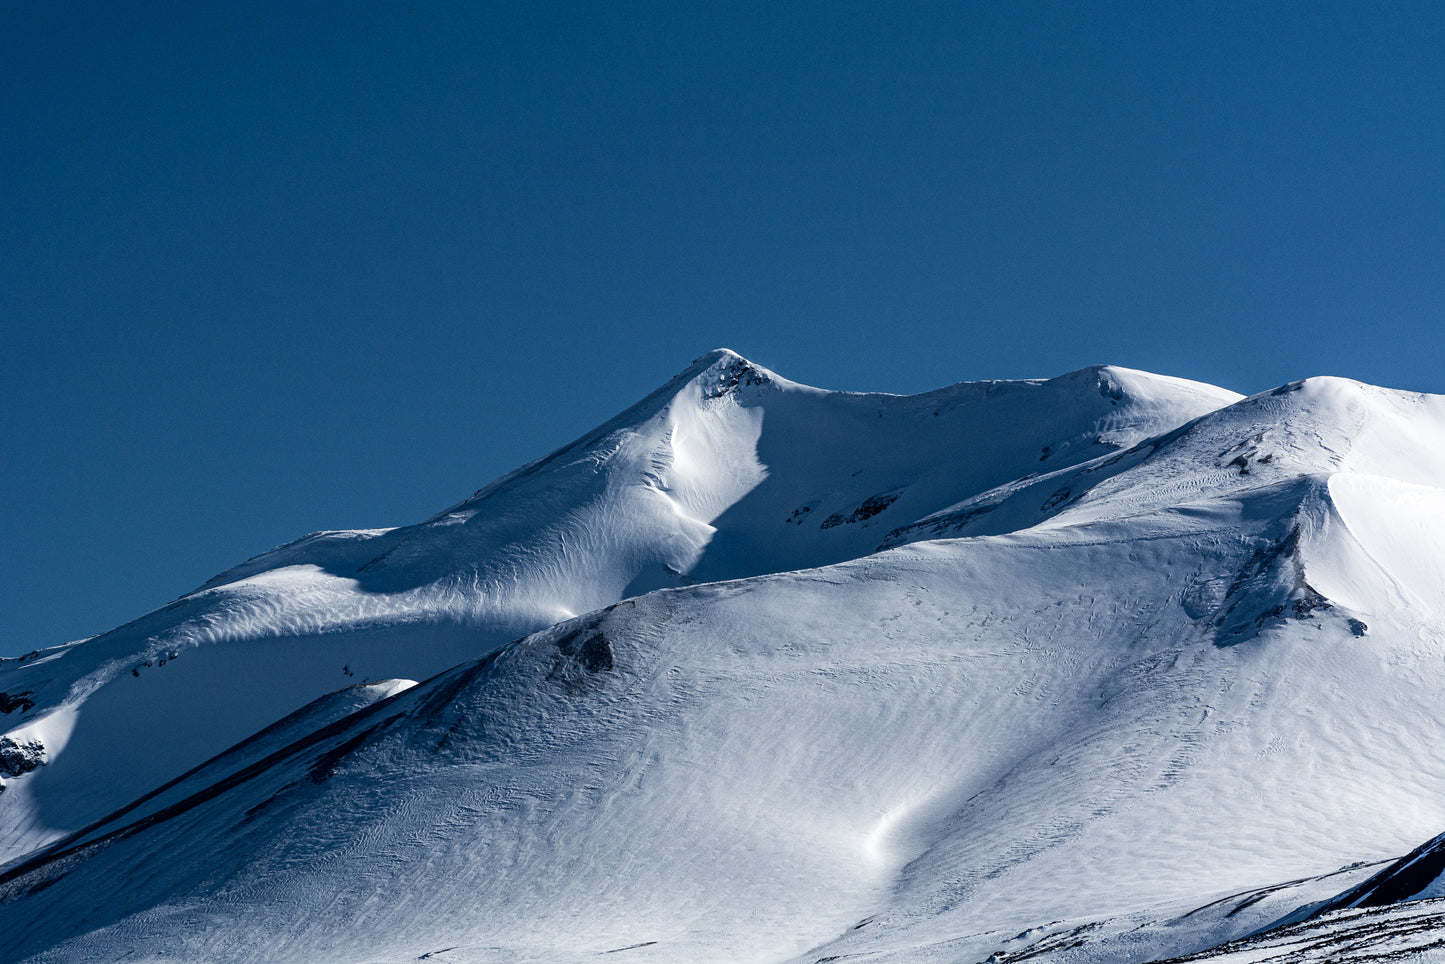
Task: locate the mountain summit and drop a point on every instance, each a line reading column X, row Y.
column 1104, row 667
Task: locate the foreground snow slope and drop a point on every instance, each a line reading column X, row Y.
column 1159, row 712
column 726, row 471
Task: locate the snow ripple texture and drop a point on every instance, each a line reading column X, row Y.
column 1106, row 667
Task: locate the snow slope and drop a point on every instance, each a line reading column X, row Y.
column 1396, row 914
column 726, row 471
column 1412, row 933
column 1122, row 700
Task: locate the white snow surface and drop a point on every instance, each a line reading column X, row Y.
column 726, row 471
column 1149, row 668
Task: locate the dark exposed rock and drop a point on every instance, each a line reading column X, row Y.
column 10, row 702
column 17, row 758
column 1055, row 500
column 869, row 507
column 589, row 647
column 739, row 373
column 584, row 658
column 1309, row 601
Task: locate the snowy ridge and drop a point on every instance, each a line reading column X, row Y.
column 1191, row 698
column 728, row 470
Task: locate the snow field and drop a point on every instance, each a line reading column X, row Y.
column 1182, row 670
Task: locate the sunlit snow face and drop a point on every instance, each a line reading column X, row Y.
column 881, row 843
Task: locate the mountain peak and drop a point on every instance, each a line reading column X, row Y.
column 1136, row 597
column 728, row 371
column 722, row 370
column 1117, row 383
column 718, row 354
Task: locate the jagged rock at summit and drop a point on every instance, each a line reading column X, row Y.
column 1107, row 667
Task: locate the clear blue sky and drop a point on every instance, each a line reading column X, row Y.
column 272, row 268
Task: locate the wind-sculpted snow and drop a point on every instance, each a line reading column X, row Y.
column 1319, row 427
column 1176, row 684
column 728, row 470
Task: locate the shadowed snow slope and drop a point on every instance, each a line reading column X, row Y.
column 1177, row 681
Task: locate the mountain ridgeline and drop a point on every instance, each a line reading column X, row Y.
column 1105, row 667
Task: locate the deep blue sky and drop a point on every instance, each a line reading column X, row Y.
column 266, row 269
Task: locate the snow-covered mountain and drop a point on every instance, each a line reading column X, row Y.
column 1108, row 667
column 726, row 471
